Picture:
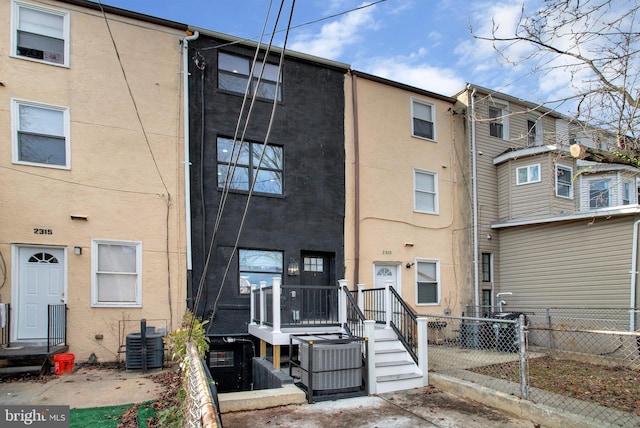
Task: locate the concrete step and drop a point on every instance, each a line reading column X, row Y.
column 390, row 383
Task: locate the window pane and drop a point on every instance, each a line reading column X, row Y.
column 270, row 72
column 534, row 173
column 232, row 82
column 41, row 149
column 117, row 258
column 39, row 22
column 272, row 158
column 425, row 202
column 260, row 261
column 425, row 182
column 523, row 175
column 422, row 111
column 422, row 128
column 426, row 271
column 41, row 120
column 268, row 181
column 117, row 288
column 599, row 194
column 234, row 64
column 427, row 293
column 229, row 154
column 240, row 180
column 40, row 47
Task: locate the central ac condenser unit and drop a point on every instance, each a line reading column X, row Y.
column 154, row 351
column 336, row 366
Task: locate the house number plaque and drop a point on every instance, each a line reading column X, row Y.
column 39, row 231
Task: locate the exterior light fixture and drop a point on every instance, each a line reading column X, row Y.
column 293, row 269
column 77, row 250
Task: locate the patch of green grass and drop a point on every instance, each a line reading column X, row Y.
column 97, row 417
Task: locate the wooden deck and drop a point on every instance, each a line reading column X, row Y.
column 16, row 354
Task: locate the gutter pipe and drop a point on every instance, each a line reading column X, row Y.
column 187, row 162
column 474, row 178
column 634, row 276
column 356, row 183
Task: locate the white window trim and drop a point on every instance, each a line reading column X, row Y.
column 438, row 280
column 538, row 130
column 436, row 202
column 605, row 179
column 570, row 169
column 504, row 114
column 433, row 119
column 518, row 182
column 15, row 126
column 94, row 266
column 15, row 6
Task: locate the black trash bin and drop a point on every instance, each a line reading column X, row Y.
column 506, row 334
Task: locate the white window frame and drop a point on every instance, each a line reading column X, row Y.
column 609, row 192
column 537, row 131
column 503, row 118
column 437, row 281
column 417, row 171
column 627, row 196
column 94, row 275
column 570, row 170
column 15, row 15
column 15, row 143
column 529, row 169
column 415, row 101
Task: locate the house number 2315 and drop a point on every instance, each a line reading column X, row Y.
column 37, row 231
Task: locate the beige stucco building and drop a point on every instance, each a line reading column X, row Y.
column 407, row 198
column 92, row 208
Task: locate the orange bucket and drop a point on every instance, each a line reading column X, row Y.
column 63, row 363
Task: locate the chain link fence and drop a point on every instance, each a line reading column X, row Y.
column 202, row 409
column 581, row 360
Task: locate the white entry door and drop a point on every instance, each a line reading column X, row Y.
column 41, row 282
column 383, row 273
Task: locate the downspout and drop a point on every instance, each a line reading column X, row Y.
column 474, row 178
column 634, row 276
column 187, row 162
column 356, row 184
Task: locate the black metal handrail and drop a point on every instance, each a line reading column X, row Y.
column 355, row 318
column 374, row 304
column 405, row 323
column 56, row 326
column 309, row 305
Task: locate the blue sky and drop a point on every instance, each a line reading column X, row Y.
column 426, row 44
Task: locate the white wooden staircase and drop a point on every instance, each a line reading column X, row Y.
column 394, row 370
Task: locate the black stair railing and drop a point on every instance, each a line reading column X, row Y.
column 57, row 326
column 355, row 318
column 405, row 323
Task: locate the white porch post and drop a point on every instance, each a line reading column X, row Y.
column 342, row 303
column 276, row 303
column 423, row 354
column 387, row 303
column 252, row 309
column 369, row 334
column 361, row 297
column 263, row 304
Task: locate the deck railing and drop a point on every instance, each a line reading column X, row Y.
column 290, row 306
column 56, row 326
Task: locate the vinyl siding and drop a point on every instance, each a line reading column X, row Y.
column 581, row 263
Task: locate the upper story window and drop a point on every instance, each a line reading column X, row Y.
column 528, row 174
column 243, row 162
column 564, row 181
column 428, row 283
column 41, row 134
column 258, row 265
column 234, row 71
column 498, row 121
column 626, row 193
column 425, row 191
column 599, row 194
column 423, row 124
column 487, row 267
column 117, row 273
column 534, row 132
column 40, row 34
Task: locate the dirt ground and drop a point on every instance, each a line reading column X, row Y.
column 424, row 407
column 613, row 387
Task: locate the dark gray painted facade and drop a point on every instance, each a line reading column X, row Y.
column 306, row 218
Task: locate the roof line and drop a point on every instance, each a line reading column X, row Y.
column 606, row 212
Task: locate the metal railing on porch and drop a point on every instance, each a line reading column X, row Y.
column 56, row 326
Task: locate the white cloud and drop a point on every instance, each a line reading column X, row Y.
column 336, row 36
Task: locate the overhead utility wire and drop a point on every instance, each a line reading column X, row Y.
column 264, row 147
column 233, row 159
column 304, row 24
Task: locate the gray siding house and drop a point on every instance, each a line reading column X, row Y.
column 550, row 229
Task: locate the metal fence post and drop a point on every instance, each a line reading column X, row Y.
column 524, row 375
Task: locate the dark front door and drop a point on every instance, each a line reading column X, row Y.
column 319, row 303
